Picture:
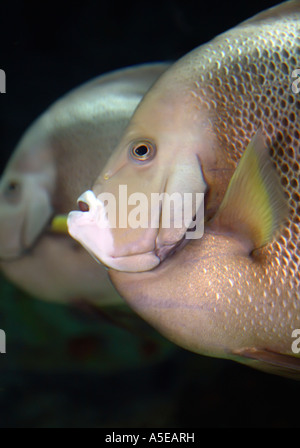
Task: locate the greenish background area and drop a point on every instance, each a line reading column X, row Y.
column 72, row 367
column 65, row 337
column 52, row 348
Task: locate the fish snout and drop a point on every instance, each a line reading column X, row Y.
column 89, row 224
column 99, row 228
column 87, row 202
column 92, row 229
column 82, row 205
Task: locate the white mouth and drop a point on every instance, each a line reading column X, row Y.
column 91, row 229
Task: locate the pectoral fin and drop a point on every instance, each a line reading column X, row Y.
column 269, row 361
column 254, row 206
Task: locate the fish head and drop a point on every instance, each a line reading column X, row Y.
column 25, row 198
column 156, row 160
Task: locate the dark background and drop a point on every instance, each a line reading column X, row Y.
column 46, row 49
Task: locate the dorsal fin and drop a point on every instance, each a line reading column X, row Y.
column 278, row 11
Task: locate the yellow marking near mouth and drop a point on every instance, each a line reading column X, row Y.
column 59, row 224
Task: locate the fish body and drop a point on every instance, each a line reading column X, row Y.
column 234, row 293
column 57, row 158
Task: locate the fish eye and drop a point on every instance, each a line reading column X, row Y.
column 142, row 151
column 12, row 191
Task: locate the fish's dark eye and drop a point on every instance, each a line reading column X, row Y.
column 142, row 151
column 12, row 191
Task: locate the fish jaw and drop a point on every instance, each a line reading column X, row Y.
column 93, row 231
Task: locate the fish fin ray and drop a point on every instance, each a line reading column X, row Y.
column 270, row 361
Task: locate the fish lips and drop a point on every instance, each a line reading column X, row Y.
column 91, row 228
